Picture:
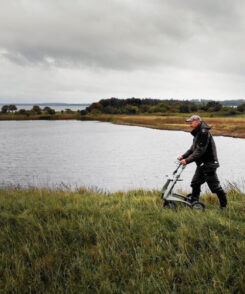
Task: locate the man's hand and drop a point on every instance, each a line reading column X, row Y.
column 183, row 161
column 180, row 158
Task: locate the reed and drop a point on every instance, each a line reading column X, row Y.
column 221, row 126
column 55, row 241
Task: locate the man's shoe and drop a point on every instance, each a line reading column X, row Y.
column 194, row 200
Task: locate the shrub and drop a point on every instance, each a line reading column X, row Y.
column 241, row 107
column 214, row 106
column 36, row 109
column 130, row 109
column 83, row 112
column 5, row 108
column 49, row 110
column 22, row 111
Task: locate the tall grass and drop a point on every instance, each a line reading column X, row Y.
column 55, row 241
column 221, row 126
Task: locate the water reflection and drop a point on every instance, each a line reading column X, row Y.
column 110, row 157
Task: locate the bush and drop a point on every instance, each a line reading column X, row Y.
column 241, row 107
column 22, row 111
column 232, row 112
column 130, row 109
column 12, row 107
column 83, row 112
column 97, row 107
column 36, row 109
column 69, row 111
column 213, row 106
column 184, row 108
column 49, row 110
column 5, row 108
column 159, row 108
column 193, row 108
column 145, row 108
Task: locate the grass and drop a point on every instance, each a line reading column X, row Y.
column 221, row 126
column 43, row 116
column 55, row 241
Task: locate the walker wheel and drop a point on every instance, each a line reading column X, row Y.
column 198, row 205
column 169, row 204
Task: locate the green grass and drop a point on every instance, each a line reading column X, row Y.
column 221, row 126
column 55, row 241
column 42, row 116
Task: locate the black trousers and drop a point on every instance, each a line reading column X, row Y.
column 207, row 173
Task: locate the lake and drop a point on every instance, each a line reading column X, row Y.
column 102, row 155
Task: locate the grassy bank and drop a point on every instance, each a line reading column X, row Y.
column 86, row 242
column 42, row 116
column 221, row 126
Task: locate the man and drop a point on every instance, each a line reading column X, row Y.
column 203, row 152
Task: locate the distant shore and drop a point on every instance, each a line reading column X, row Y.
column 221, row 126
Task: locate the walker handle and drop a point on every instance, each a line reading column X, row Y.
column 179, row 164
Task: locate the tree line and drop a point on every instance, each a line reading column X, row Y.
column 36, row 109
column 137, row 105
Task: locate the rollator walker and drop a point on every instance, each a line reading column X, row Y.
column 170, row 197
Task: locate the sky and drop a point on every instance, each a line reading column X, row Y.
column 80, row 51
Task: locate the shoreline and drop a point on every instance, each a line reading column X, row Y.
column 227, row 127
column 221, row 126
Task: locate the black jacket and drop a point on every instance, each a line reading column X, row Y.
column 203, row 149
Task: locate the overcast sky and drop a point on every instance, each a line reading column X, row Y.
column 80, row 51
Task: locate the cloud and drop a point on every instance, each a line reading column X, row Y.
column 114, row 34
column 121, row 38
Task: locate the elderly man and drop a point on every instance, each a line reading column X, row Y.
column 203, row 152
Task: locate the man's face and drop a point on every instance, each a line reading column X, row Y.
column 194, row 124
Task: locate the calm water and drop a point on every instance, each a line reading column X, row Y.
column 103, row 155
